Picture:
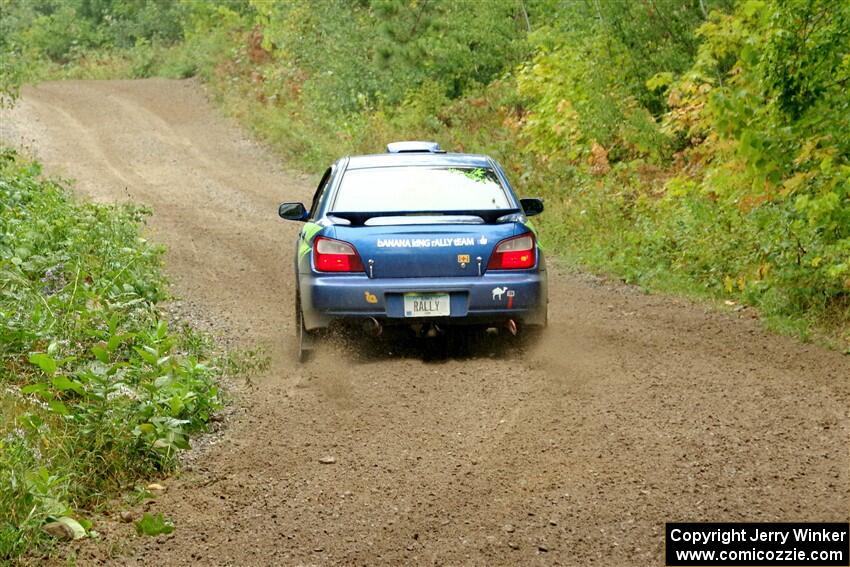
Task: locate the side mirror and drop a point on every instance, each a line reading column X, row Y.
column 531, row 206
column 293, row 211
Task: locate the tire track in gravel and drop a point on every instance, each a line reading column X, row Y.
column 635, row 409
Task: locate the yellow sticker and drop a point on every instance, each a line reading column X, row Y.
column 463, row 258
column 370, row 297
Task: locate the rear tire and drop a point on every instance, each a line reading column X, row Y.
column 305, row 341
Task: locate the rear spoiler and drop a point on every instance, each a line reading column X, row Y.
column 489, row 216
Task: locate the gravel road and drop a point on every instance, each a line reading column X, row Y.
column 635, row 409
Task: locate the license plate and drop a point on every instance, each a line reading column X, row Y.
column 426, row 304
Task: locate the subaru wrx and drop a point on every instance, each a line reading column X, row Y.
column 417, row 237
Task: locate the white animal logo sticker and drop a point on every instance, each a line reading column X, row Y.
column 498, row 292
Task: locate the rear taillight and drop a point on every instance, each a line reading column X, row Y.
column 514, row 253
column 332, row 255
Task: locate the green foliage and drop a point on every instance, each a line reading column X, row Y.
column 348, row 57
column 805, row 54
column 105, row 39
column 774, row 87
column 153, row 525
column 576, row 101
column 57, row 29
column 97, row 391
column 751, row 198
column 597, row 74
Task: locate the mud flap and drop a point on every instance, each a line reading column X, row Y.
column 305, row 341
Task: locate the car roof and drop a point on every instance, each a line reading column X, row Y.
column 417, row 159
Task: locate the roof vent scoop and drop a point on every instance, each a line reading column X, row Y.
column 414, row 148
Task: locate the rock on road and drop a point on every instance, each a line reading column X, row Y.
column 635, row 410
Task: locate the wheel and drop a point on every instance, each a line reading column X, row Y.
column 304, row 340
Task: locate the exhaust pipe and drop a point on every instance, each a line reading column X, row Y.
column 373, row 327
column 433, row 331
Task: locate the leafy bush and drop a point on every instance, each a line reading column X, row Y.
column 349, row 57
column 771, row 82
column 56, row 29
column 97, row 391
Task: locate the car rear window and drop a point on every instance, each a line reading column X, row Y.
column 420, row 188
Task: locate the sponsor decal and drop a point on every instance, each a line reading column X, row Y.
column 305, row 243
column 443, row 242
column 425, row 242
column 498, row 292
column 370, row 297
column 463, row 260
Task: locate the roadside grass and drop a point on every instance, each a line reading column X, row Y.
column 97, row 392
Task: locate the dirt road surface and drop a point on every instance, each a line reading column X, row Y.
column 635, row 410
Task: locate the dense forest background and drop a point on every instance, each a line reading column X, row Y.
column 694, row 146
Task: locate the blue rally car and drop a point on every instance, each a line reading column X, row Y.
column 417, row 237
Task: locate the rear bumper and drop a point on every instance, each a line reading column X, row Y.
column 493, row 297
